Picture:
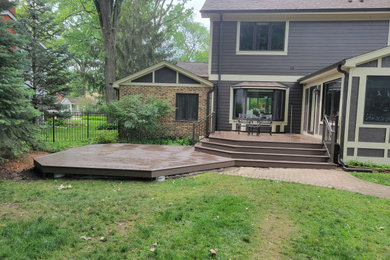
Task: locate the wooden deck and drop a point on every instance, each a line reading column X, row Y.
column 130, row 160
column 221, row 150
column 266, row 137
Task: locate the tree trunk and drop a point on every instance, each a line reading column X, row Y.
column 108, row 11
column 109, row 67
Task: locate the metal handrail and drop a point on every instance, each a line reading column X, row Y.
column 197, row 127
column 329, row 135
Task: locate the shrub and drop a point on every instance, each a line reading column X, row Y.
column 57, row 122
column 187, row 141
column 139, row 117
column 108, row 126
column 106, row 137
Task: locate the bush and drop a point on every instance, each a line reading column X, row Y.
column 187, row 141
column 106, row 137
column 108, row 126
column 57, row 122
column 138, row 117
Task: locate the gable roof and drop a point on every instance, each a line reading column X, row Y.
column 198, row 68
column 159, row 66
column 351, row 62
column 212, row 6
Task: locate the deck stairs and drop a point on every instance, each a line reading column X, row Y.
column 249, row 153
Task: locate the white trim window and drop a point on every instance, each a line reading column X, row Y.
column 253, row 102
column 262, row 38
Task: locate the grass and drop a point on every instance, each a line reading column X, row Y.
column 380, row 178
column 242, row 218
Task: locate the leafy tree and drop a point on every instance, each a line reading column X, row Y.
column 108, row 13
column 83, row 36
column 48, row 70
column 145, row 33
column 16, row 127
column 139, row 118
column 191, row 42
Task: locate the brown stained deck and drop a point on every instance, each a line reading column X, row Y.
column 132, row 160
column 266, row 137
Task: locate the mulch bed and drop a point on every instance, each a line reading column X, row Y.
column 21, row 168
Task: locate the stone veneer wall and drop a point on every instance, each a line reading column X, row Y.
column 174, row 128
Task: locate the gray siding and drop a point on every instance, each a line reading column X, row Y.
column 353, row 108
column 375, row 135
column 312, row 45
column 295, row 100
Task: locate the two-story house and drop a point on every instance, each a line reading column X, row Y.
column 301, row 60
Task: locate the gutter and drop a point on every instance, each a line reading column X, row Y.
column 219, row 68
column 344, row 109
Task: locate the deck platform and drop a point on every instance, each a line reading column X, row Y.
column 266, row 137
column 220, row 150
column 130, row 160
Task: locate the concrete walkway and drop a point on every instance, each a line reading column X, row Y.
column 337, row 179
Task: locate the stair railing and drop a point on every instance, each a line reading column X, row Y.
column 329, row 135
column 203, row 128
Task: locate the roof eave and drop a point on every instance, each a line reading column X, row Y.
column 296, row 10
column 321, row 71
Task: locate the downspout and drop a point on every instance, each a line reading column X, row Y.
column 343, row 121
column 219, row 67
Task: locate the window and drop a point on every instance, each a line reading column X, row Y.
column 331, row 98
column 377, row 104
column 187, row 107
column 259, row 101
column 262, row 36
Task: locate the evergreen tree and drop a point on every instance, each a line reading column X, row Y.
column 48, row 70
column 16, row 127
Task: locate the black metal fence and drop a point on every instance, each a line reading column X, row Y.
column 75, row 126
column 203, row 128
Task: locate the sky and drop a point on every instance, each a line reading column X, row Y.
column 197, row 5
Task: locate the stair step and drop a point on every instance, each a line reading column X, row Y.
column 283, row 164
column 263, row 156
column 265, row 143
column 262, row 149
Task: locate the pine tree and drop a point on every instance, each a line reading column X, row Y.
column 48, row 70
column 16, row 125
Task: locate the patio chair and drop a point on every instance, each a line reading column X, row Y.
column 254, row 125
column 242, row 121
column 266, row 122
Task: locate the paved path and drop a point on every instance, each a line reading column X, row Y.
column 326, row 178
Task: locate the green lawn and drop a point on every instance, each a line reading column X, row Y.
column 243, row 218
column 380, row 178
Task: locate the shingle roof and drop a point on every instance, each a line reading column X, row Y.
column 198, row 68
column 293, row 5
